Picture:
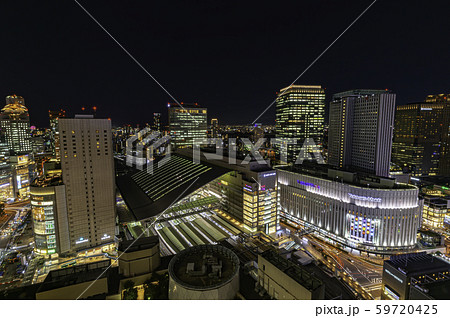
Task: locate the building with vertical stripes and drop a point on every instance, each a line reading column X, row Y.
column 88, row 175
column 361, row 129
column 356, row 210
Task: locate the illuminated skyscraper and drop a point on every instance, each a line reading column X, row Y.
column 300, row 112
column 15, row 125
column 157, row 121
column 214, row 128
column 6, row 181
column 360, row 130
column 186, row 124
column 422, row 136
column 54, row 116
column 22, row 167
column 88, row 175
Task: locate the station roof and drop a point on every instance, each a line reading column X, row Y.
column 148, row 193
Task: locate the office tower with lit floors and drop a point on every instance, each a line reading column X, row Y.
column 422, row 136
column 300, row 114
column 186, row 124
column 157, row 121
column 88, row 175
column 15, row 125
column 214, row 128
column 360, row 130
column 54, row 116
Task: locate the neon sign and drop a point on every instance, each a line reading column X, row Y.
column 397, row 278
column 308, row 184
column 363, row 198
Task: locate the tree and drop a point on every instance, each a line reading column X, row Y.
column 156, row 287
column 130, row 293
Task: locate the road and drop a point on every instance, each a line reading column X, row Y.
column 16, row 231
column 364, row 272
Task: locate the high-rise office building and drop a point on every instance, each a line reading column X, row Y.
column 54, row 116
column 360, row 130
column 214, row 128
column 22, row 173
column 6, row 181
column 88, row 175
column 300, row 113
column 15, row 125
column 422, row 136
column 157, row 121
column 187, row 123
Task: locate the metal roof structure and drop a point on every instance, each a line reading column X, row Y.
column 148, row 194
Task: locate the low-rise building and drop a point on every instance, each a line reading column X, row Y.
column 435, row 211
column 403, row 271
column 282, row 279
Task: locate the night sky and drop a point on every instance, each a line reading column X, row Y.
column 229, row 56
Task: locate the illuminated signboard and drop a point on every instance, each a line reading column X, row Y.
column 81, row 240
column 308, row 184
column 396, row 277
column 447, row 221
column 269, row 174
column 364, row 198
column 391, row 293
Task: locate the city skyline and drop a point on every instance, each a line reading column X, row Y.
column 248, row 80
column 206, row 150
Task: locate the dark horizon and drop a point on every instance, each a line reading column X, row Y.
column 230, row 57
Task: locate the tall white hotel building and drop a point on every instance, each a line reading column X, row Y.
column 73, row 206
column 88, row 175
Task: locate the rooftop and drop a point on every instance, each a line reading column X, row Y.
column 439, row 289
column 361, row 92
column 418, row 263
column 358, row 179
column 139, row 244
column 204, row 267
column 301, row 87
column 48, row 182
column 297, row 273
column 80, row 274
column 185, row 105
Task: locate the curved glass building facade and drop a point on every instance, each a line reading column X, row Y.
column 47, row 202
